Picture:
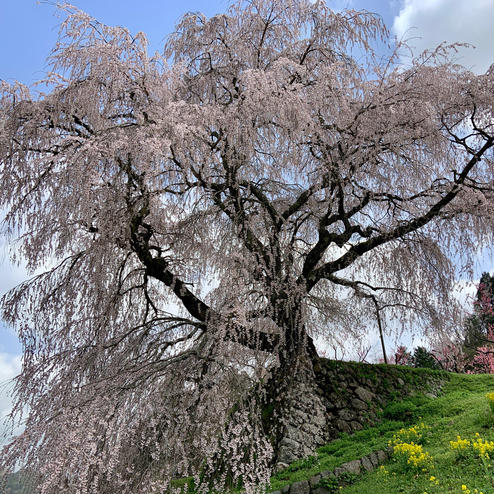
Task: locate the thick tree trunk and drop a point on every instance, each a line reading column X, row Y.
column 287, row 409
column 294, row 414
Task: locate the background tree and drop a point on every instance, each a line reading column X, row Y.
column 450, row 356
column 201, row 222
column 480, row 328
column 401, row 356
column 479, row 324
column 423, row 358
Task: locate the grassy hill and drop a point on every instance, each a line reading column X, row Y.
column 451, row 450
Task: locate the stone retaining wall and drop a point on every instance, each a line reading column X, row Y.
column 313, row 485
column 347, row 397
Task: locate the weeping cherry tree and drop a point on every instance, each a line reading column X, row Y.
column 196, row 221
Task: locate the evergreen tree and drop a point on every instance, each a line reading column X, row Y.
column 423, row 358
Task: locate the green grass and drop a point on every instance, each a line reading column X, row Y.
column 462, row 409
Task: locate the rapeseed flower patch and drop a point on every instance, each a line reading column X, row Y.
column 466, row 490
column 416, row 434
column 461, row 447
column 413, row 455
column 408, row 450
column 460, row 444
column 433, row 480
column 482, row 448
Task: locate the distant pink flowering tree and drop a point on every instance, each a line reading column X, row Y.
column 478, row 325
column 457, row 356
column 203, row 215
column 450, row 356
column 401, row 356
column 483, row 360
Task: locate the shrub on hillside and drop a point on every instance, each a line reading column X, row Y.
column 405, row 411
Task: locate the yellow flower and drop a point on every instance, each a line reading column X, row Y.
column 414, row 455
column 433, row 480
column 483, row 448
column 412, row 434
column 460, row 444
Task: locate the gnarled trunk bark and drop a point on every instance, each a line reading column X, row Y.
column 294, row 415
column 286, row 410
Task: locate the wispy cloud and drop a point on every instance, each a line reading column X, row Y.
column 427, row 23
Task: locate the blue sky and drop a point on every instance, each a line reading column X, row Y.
column 28, row 31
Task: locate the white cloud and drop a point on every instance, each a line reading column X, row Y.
column 427, row 23
column 11, row 274
column 10, row 366
column 465, row 292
